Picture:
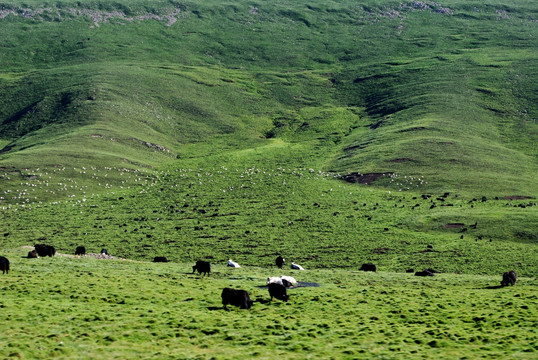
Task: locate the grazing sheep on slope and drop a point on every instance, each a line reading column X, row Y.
column 287, row 281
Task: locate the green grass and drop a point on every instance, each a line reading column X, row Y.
column 210, row 130
column 98, row 108
column 452, row 111
column 233, row 207
column 83, row 307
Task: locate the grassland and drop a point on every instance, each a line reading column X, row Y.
column 253, row 214
column 209, row 130
column 81, row 308
column 449, row 89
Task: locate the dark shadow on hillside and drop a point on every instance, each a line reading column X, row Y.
column 365, row 179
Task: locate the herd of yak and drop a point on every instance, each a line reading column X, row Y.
column 237, row 297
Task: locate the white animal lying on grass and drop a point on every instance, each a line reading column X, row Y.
column 289, row 279
column 295, row 266
column 284, row 280
column 233, row 264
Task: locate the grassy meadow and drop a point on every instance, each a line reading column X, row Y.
column 82, row 308
column 335, row 133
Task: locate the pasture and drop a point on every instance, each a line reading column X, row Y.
column 421, row 89
column 334, row 133
column 82, row 308
column 252, row 214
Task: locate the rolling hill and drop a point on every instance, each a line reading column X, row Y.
column 391, row 102
column 416, row 88
column 334, row 133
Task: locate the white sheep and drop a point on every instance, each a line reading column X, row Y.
column 274, row 280
column 295, row 266
column 289, row 279
column 284, row 280
column 233, row 264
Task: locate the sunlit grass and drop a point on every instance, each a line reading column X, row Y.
column 210, row 130
column 127, row 309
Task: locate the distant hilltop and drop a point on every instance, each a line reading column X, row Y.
column 97, row 16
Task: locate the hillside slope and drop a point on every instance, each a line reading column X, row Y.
column 418, row 88
column 211, row 130
column 334, row 133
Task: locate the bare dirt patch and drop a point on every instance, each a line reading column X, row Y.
column 96, row 16
column 365, row 179
column 454, row 225
column 94, row 255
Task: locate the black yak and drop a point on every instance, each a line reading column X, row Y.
column 280, row 261
column 278, row 291
column 236, row 297
column 425, row 272
column 4, row 265
column 45, row 250
column 368, row 267
column 509, row 278
column 203, row 267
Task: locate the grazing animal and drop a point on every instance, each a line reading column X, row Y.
column 203, row 267
column 278, row 291
column 288, row 281
column 104, row 252
column 295, row 266
column 80, row 250
column 236, row 297
column 284, row 280
column 160, row 259
column 280, row 261
column 45, row 250
column 424, row 273
column 32, row 254
column 509, row 277
column 233, row 264
column 4, row 265
column 368, row 267
column 274, row 280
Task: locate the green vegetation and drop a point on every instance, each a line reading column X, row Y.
column 211, row 130
column 449, row 89
column 253, row 214
column 121, row 309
